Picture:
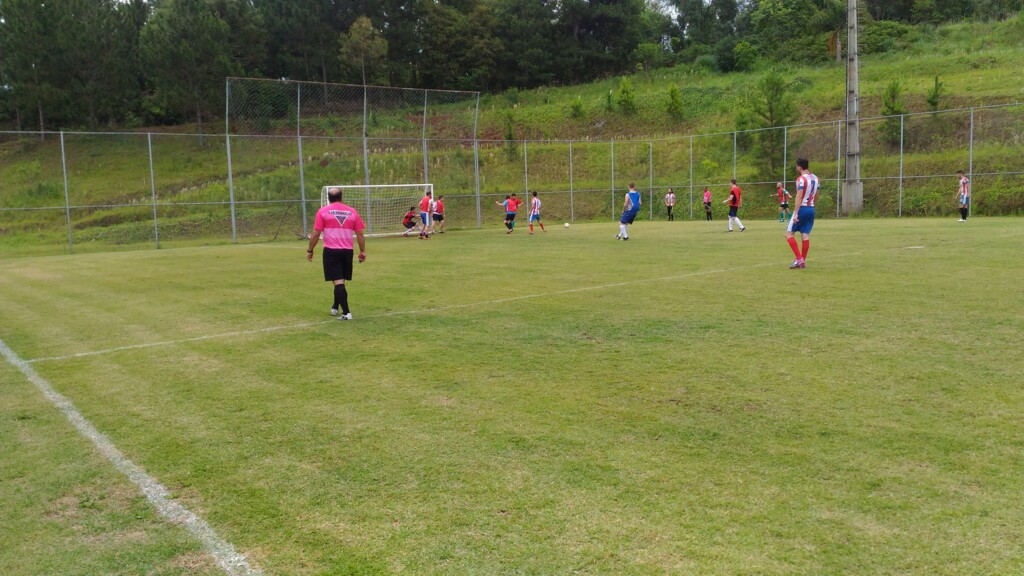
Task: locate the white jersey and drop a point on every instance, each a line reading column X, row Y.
column 808, row 184
column 535, row 206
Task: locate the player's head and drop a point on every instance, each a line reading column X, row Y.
column 535, row 194
column 412, row 208
column 507, row 197
column 441, row 197
column 778, row 184
column 960, row 172
column 514, row 195
column 733, row 181
column 669, row 190
column 802, row 164
column 334, row 194
column 632, row 186
column 429, row 193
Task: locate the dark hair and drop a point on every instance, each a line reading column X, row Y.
column 733, row 180
column 535, row 194
column 412, row 208
column 632, row 184
column 440, row 197
column 334, row 194
column 802, row 162
column 960, row 172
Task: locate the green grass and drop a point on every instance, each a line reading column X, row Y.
column 681, row 403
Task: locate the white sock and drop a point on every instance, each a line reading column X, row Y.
column 622, row 230
column 738, row 223
column 730, row 223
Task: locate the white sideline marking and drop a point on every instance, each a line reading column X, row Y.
column 222, row 551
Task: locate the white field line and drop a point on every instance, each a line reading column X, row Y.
column 230, row 561
column 421, row 311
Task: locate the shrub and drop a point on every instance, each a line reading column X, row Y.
column 627, row 98
column 675, row 103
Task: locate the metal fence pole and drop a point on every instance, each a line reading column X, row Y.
column 650, row 170
column 785, row 153
column 476, row 159
column 152, row 187
column 899, row 211
column 526, row 172
column 67, row 197
column 302, row 169
column 572, row 206
column 613, row 178
column 970, row 159
column 227, row 146
column 426, row 162
column 691, row 177
column 734, row 155
column 839, row 163
column 366, row 163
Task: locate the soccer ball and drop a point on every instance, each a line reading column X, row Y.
column 566, row 224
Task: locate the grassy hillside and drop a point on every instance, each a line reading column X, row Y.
column 978, row 63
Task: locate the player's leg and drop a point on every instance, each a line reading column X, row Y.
column 541, row 224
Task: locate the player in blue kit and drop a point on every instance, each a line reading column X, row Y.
column 803, row 219
column 630, row 208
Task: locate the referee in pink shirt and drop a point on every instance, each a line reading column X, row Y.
column 338, row 223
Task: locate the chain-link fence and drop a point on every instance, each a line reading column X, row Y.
column 261, row 179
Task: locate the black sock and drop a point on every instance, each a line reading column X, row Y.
column 341, row 296
column 963, row 213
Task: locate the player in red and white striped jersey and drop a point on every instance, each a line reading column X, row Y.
column 535, row 213
column 964, row 195
column 803, row 218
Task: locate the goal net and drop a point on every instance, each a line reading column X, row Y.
column 381, row 206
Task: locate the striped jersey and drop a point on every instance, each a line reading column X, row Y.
column 965, row 186
column 439, row 207
column 808, row 184
column 535, row 206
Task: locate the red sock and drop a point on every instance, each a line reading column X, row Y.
column 807, row 247
column 792, row 244
column 541, row 225
column 531, row 227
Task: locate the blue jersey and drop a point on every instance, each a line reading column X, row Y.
column 634, row 201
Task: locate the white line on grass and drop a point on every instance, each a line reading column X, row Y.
column 222, row 551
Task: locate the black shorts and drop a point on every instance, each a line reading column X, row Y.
column 732, row 211
column 707, row 206
column 510, row 216
column 337, row 264
column 408, row 225
column 784, row 205
column 438, row 217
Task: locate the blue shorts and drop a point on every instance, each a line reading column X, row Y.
column 965, row 199
column 628, row 216
column 805, row 221
column 534, row 217
column 733, row 210
column 425, row 218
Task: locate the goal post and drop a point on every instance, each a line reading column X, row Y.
column 381, row 206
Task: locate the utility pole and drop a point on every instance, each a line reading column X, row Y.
column 853, row 187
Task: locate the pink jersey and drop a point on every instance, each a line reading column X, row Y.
column 707, row 195
column 535, row 207
column 965, row 187
column 808, row 184
column 339, row 223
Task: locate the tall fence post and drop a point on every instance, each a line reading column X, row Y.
column 366, row 161
column 650, row 170
column 691, row 177
column 227, row 147
column 476, row 159
column 785, row 153
column 67, row 197
column 899, row 210
column 572, row 206
column 152, row 188
column 734, row 155
column 302, row 170
column 970, row 159
column 839, row 163
column 426, row 162
column 613, row 178
column 526, row 172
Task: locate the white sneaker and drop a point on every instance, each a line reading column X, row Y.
column 618, row 237
column 334, row 311
column 742, row 228
column 961, row 220
column 345, row 316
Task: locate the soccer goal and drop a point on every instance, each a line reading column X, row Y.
column 381, row 206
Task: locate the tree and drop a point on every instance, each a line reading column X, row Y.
column 831, row 18
column 934, row 95
column 186, row 51
column 27, row 57
column 771, row 106
column 365, row 49
column 675, row 103
column 893, row 108
column 627, row 97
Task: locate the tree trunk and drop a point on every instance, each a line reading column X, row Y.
column 199, row 124
column 42, row 126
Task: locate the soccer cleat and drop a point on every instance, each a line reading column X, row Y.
column 625, row 237
column 618, row 237
column 742, row 228
column 345, row 316
column 334, row 311
column 794, row 265
column 729, row 230
column 803, row 264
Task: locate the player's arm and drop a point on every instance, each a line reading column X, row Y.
column 362, row 245
column 313, row 239
column 796, row 203
column 727, row 200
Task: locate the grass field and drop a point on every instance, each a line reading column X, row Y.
column 558, row 404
